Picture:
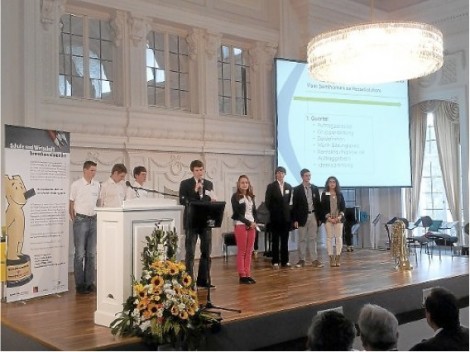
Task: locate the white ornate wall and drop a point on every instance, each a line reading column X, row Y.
column 166, row 141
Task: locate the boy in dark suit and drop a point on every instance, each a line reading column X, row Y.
column 306, row 214
column 197, row 188
column 278, row 200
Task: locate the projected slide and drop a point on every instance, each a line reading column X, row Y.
column 358, row 133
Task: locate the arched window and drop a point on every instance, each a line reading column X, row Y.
column 432, row 201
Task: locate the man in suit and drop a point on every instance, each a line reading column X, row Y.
column 278, row 200
column 192, row 189
column 442, row 315
column 306, row 216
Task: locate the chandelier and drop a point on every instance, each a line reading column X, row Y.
column 376, row 53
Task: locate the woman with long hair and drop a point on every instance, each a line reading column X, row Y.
column 245, row 217
column 333, row 207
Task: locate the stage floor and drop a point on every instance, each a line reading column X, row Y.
column 278, row 308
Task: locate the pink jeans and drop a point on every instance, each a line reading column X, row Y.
column 245, row 242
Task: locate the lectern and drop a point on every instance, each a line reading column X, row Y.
column 121, row 238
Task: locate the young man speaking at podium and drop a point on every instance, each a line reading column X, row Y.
column 194, row 189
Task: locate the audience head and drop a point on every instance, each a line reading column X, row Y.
column 378, row 328
column 330, row 331
column 442, row 310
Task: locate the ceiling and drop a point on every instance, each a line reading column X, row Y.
column 389, row 5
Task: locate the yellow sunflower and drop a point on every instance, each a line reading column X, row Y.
column 153, row 308
column 173, row 270
column 143, row 303
column 157, row 281
column 139, row 290
column 183, row 315
column 174, row 310
column 187, row 280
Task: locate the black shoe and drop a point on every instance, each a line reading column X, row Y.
column 205, row 286
column 82, row 290
column 91, row 288
column 245, row 280
column 253, row 281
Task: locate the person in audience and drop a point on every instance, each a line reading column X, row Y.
column 140, row 176
column 83, row 197
column 333, row 207
column 330, row 331
column 113, row 190
column 378, row 328
column 245, row 218
column 197, row 188
column 306, row 212
column 278, row 200
column 442, row 315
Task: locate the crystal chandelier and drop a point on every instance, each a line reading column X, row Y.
column 376, row 53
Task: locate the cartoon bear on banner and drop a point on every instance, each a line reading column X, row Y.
column 18, row 264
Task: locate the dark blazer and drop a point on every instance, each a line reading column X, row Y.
column 300, row 204
column 188, row 195
column 277, row 203
column 239, row 210
column 445, row 340
column 325, row 204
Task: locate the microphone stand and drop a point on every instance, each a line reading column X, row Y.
column 151, row 191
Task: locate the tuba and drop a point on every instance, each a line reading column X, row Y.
column 399, row 246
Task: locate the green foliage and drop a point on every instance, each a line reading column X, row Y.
column 164, row 308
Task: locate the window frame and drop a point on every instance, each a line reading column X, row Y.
column 86, row 15
column 247, row 86
column 167, row 31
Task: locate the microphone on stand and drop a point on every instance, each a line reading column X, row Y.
column 128, row 184
column 136, row 189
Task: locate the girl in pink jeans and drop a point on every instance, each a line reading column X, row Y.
column 245, row 217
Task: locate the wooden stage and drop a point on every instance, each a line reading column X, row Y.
column 278, row 308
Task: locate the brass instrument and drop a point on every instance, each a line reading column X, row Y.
column 399, row 246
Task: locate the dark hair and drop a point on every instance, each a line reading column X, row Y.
column 443, row 309
column 338, row 187
column 87, row 164
column 119, row 168
column 138, row 170
column 303, row 172
column 249, row 191
column 330, row 331
column 196, row 163
column 280, row 169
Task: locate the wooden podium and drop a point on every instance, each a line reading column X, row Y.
column 121, row 236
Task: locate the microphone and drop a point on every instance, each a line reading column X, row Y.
column 201, row 182
column 136, row 189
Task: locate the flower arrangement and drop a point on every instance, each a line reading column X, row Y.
column 163, row 308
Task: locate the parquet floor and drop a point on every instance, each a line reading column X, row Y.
column 65, row 321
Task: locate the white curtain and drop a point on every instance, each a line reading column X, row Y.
column 447, row 127
column 418, row 141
